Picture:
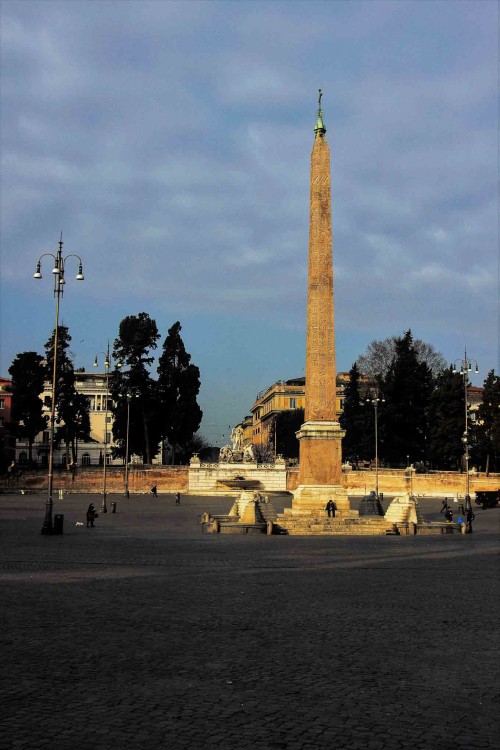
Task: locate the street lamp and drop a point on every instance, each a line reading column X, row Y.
column 107, row 362
column 128, row 395
column 58, row 276
column 376, row 399
column 466, row 364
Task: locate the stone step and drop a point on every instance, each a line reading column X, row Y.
column 334, row 526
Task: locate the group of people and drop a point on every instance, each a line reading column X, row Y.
column 448, row 514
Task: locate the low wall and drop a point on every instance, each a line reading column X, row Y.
column 215, row 479
column 209, row 479
column 90, row 479
column 398, row 481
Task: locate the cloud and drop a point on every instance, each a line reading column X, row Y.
column 171, row 142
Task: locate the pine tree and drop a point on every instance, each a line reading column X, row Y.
column 446, row 421
column 178, row 388
column 403, row 421
column 71, row 408
column 357, row 421
column 28, row 376
column 286, row 424
column 137, row 335
column 486, row 432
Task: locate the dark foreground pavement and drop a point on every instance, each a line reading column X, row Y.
column 144, row 633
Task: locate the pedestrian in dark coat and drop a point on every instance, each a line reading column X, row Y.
column 469, row 517
column 444, row 505
column 448, row 514
column 177, row 498
column 91, row 514
column 154, row 491
column 330, row 508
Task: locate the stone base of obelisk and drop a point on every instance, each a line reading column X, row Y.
column 320, row 477
column 310, row 499
column 320, row 469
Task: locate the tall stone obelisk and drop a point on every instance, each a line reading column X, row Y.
column 321, row 435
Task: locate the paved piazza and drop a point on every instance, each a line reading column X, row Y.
column 143, row 633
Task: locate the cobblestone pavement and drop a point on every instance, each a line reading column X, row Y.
column 144, row 633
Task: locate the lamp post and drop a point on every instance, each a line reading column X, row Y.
column 375, row 399
column 465, row 366
column 129, row 396
column 107, row 362
column 59, row 281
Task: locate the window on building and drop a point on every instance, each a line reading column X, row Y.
column 342, row 403
column 108, row 437
column 109, row 419
column 46, row 437
column 47, row 401
column 2, row 403
column 86, row 459
column 293, row 403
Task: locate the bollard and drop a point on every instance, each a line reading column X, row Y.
column 270, row 527
column 58, row 523
column 113, row 507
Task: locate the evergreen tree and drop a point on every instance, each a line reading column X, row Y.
column 72, row 410
column 178, row 388
column 486, row 432
column 28, row 375
column 403, row 421
column 357, row 421
column 137, row 335
column 285, row 425
column 446, row 421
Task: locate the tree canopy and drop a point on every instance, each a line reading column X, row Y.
column 178, row 388
column 72, row 410
column 379, row 355
column 137, row 336
column 28, row 376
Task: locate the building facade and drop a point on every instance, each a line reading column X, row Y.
column 285, row 395
column 94, row 387
column 7, row 439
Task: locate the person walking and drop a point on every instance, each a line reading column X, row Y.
column 469, row 517
column 330, row 508
column 448, row 514
column 91, row 515
column 154, row 491
column 177, row 498
column 444, row 505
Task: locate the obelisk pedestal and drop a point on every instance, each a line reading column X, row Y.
column 320, row 467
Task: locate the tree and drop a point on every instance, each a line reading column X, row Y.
column 285, row 425
column 357, row 421
column 486, row 432
column 72, row 410
column 28, row 375
column 403, row 421
column 137, row 335
column 197, row 444
column 178, row 388
column 379, row 356
column 445, row 415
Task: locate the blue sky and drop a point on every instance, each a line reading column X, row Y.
column 170, row 142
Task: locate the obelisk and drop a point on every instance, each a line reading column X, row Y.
column 321, row 435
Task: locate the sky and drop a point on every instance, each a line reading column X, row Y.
column 170, row 144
